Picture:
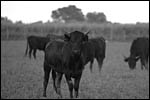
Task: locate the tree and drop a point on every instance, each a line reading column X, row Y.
column 68, row 14
column 6, row 20
column 94, row 17
column 19, row 22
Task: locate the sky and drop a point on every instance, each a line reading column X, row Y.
column 115, row 11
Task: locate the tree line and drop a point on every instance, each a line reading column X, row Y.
column 69, row 19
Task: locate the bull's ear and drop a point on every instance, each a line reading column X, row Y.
column 87, row 32
column 67, row 37
column 126, row 59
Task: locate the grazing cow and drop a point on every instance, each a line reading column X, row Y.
column 94, row 48
column 34, row 43
column 65, row 57
column 139, row 50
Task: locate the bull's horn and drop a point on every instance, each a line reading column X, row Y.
column 136, row 58
column 87, row 32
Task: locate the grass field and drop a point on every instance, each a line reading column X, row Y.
column 22, row 77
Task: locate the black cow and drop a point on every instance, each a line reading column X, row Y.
column 94, row 48
column 34, row 43
column 139, row 50
column 65, row 58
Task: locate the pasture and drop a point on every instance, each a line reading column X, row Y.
column 22, row 77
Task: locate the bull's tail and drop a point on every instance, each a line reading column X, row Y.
column 26, row 49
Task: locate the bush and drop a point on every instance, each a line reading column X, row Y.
column 110, row 31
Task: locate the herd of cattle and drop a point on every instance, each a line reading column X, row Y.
column 69, row 53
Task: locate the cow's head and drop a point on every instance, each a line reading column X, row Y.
column 75, row 40
column 131, row 61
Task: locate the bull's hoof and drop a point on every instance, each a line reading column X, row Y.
column 44, row 95
column 71, row 97
column 43, row 98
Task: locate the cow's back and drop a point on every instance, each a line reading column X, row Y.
column 37, row 42
column 140, row 45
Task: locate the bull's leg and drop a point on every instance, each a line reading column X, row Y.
column 26, row 49
column 47, row 70
column 146, row 63
column 142, row 62
column 54, row 77
column 30, row 51
column 91, row 64
column 34, row 53
column 58, row 83
column 70, row 85
column 100, row 62
column 76, row 85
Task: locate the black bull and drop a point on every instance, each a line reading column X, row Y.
column 94, row 48
column 139, row 50
column 65, row 58
column 60, row 58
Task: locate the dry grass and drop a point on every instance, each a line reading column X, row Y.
column 23, row 78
